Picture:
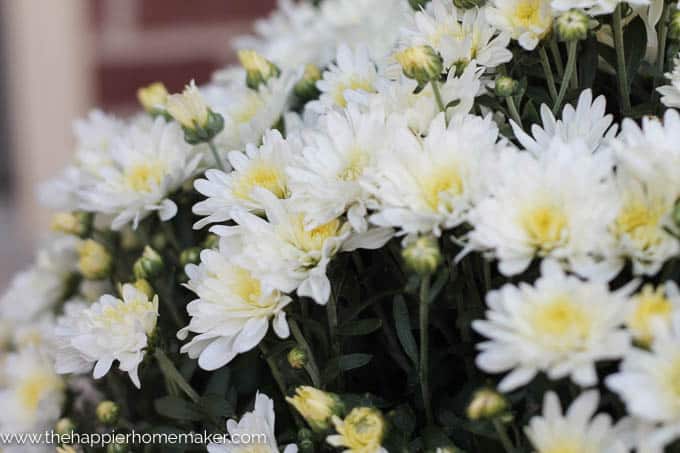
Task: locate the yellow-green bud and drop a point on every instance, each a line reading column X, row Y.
column 306, row 88
column 211, row 241
column 573, row 25
column 506, row 86
column 144, row 286
column 297, row 358
column 674, row 25
column 258, row 69
column 153, row 97
column 108, row 412
column 94, row 262
column 469, row 4
column 199, row 123
column 486, row 403
column 64, row 427
column 421, row 63
column 117, row 447
column 74, row 223
column 316, row 406
column 362, row 430
column 418, row 4
column 192, row 255
column 149, row 265
column 422, row 255
column 305, row 440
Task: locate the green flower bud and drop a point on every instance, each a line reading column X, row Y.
column 258, row 69
column 469, row 4
column 211, row 241
column 486, row 403
column 422, row 255
column 199, row 123
column 506, row 86
column 674, row 25
column 94, row 261
column 107, row 412
column 191, row 255
column 64, row 427
column 149, row 265
column 144, row 286
column 306, row 88
column 297, row 358
column 573, row 25
column 305, row 440
column 418, row 4
column 117, row 447
column 421, row 63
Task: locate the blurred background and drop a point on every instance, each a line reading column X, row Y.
column 61, row 58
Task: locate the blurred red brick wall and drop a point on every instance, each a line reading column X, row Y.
column 141, row 41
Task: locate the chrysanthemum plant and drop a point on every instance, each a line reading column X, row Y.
column 402, row 226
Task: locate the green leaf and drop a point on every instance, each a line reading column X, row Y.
column 216, row 406
column 361, row 327
column 218, row 384
column 402, row 322
column 177, row 408
column 635, row 43
column 342, row 363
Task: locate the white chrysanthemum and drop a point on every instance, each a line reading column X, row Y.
column 544, row 206
column 649, row 384
column 263, row 167
column 670, row 94
column 459, row 37
column 326, row 179
column 31, row 393
column 254, row 425
column 146, row 166
column 594, row 7
column 527, row 21
column 587, row 122
column 652, row 309
column 232, row 312
column 38, row 288
column 351, row 71
column 95, row 136
column 553, row 327
column 248, row 113
column 38, row 334
column 109, row 330
column 283, row 254
column 579, row 430
column 428, row 184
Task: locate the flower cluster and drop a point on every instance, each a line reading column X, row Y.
column 442, row 209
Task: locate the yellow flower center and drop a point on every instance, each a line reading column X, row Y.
column 313, row 240
column 246, row 286
column 650, row 304
column 356, row 162
column 527, row 13
column 440, row 184
column 128, row 313
column 545, row 226
column 354, row 83
column 260, row 174
column 560, row 324
column 641, row 222
column 34, row 388
column 144, row 176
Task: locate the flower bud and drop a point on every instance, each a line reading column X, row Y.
column 189, row 109
column 211, row 241
column 94, row 260
column 573, row 25
column 362, row 430
column 297, row 358
column 117, row 447
column 316, row 406
column 149, row 265
column 153, row 97
column 74, row 223
column 422, row 255
column 305, row 440
column 485, row 404
column 192, row 255
column 469, row 4
column 421, row 63
column 64, row 427
column 306, row 88
column 418, row 4
column 258, row 69
column 506, row 86
column 674, row 25
column 144, row 286
column 108, row 412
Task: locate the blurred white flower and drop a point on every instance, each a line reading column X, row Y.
column 652, row 310
column 670, row 94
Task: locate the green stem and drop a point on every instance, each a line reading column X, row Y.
column 423, row 371
column 503, row 435
column 310, row 366
column 274, row 368
column 571, row 65
column 438, row 95
column 545, row 62
column 512, row 109
column 661, row 57
column 557, row 56
column 216, row 155
column 173, row 375
column 621, row 69
column 574, row 76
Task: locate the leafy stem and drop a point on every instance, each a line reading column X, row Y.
column 571, row 65
column 423, row 372
column 621, row 69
